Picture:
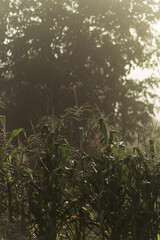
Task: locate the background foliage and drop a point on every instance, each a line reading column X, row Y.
column 50, row 47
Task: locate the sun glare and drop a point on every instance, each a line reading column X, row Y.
column 157, row 27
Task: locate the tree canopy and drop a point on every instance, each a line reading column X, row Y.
column 51, row 47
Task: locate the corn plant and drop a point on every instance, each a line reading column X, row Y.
column 11, row 180
column 78, row 193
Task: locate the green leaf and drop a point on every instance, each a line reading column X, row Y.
column 112, row 137
column 9, row 156
column 63, row 150
column 103, row 129
column 152, row 150
column 14, row 133
column 139, row 153
column 2, row 120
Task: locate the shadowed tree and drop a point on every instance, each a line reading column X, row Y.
column 53, row 46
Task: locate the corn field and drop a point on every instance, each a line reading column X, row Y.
column 89, row 191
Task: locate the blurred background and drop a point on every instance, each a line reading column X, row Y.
column 104, row 51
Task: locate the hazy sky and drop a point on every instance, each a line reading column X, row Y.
column 141, row 74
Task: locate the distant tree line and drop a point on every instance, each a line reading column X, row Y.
column 49, row 48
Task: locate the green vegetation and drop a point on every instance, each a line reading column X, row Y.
column 72, row 193
column 72, row 177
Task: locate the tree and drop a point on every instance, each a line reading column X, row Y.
column 3, row 14
column 54, row 46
